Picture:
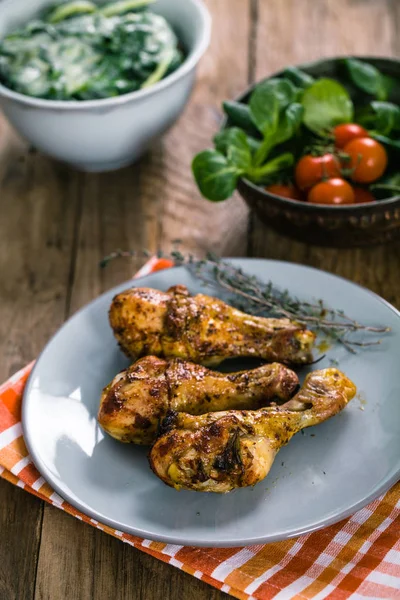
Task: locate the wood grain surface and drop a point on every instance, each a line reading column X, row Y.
column 56, row 224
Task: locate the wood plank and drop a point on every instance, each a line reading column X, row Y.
column 146, row 206
column 124, row 572
column 290, row 32
column 172, row 194
column 37, row 204
column 20, row 524
column 377, row 268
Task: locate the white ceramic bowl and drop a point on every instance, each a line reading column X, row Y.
column 103, row 135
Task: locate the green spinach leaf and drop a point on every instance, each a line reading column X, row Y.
column 239, row 114
column 386, row 141
column 233, row 143
column 65, row 11
column 367, row 77
column 387, row 117
column 380, row 117
column 326, row 104
column 276, row 165
column 388, row 186
column 253, row 143
column 123, row 6
column 289, row 122
column 214, row 175
column 284, row 90
column 264, row 109
column 299, row 77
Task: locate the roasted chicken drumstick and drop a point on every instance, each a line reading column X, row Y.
column 202, row 329
column 217, row 452
column 133, row 404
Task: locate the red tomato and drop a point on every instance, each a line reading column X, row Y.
column 334, row 191
column 362, row 196
column 285, row 191
column 368, row 159
column 347, row 132
column 312, row 169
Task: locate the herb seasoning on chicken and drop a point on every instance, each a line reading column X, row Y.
column 218, row 452
column 202, row 329
column 133, row 404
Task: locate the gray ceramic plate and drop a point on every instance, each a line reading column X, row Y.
column 319, row 478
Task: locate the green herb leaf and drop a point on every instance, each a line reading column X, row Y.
column 284, row 90
column 214, row 175
column 388, row 187
column 388, row 181
column 253, row 143
column 298, row 77
column 161, row 69
column 123, row 6
column 222, row 140
column 232, row 142
column 387, row 117
column 386, row 141
column 289, row 122
column 326, row 104
column 367, row 77
column 264, row 109
column 394, row 180
column 239, row 114
column 274, row 166
column 392, row 87
column 71, row 9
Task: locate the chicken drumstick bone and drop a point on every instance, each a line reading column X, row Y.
column 217, row 452
column 133, row 404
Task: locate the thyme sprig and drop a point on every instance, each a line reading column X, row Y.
column 250, row 294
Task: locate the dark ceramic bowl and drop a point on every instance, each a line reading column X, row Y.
column 344, row 226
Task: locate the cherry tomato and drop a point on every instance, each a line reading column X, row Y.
column 285, row 191
column 362, row 196
column 368, row 159
column 334, row 191
column 347, row 132
column 312, row 169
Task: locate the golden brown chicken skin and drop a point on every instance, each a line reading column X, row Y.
column 202, row 329
column 133, row 404
column 217, row 452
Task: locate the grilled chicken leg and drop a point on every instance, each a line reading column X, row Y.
column 202, row 329
column 133, row 404
column 217, row 452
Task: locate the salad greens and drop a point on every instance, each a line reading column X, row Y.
column 80, row 51
column 368, row 78
column 274, row 118
column 381, row 117
column 300, row 78
column 326, row 104
column 293, row 114
column 217, row 171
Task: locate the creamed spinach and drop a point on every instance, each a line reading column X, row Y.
column 80, row 51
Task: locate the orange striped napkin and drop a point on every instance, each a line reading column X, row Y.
column 357, row 558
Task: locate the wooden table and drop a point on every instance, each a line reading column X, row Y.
column 56, row 225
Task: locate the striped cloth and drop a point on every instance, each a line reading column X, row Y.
column 357, row 558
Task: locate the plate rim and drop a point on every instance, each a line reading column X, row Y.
column 176, row 539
